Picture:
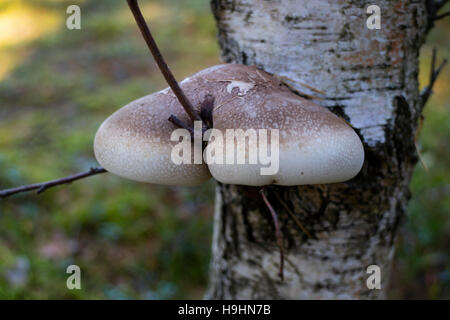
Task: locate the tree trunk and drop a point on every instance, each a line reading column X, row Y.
column 369, row 78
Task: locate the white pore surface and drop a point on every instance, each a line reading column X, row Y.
column 142, row 161
column 332, row 157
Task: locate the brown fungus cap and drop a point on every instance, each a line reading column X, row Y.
column 315, row 146
column 134, row 143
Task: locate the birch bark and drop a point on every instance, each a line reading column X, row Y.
column 369, row 78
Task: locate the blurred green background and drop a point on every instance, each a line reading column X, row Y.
column 132, row 240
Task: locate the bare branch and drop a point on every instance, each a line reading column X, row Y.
column 278, row 233
column 180, row 124
column 434, row 73
column 206, row 111
column 297, row 221
column 433, row 6
column 165, row 70
column 41, row 187
column 440, row 16
column 440, row 3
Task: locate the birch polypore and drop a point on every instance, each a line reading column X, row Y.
column 314, row 145
column 134, row 143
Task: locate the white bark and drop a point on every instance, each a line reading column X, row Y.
column 370, row 78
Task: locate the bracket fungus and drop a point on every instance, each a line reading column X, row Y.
column 134, row 143
column 312, row 144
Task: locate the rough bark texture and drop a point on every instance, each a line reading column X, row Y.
column 370, row 79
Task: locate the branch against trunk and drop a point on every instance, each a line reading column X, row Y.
column 433, row 7
column 442, row 16
column 370, row 79
column 434, row 74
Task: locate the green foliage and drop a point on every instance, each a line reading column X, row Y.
column 131, row 240
column 422, row 268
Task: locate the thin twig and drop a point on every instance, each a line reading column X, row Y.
column 206, row 111
column 439, row 4
column 180, row 124
column 41, row 187
column 302, row 94
column 281, row 78
column 297, row 221
column 440, row 16
column 278, row 233
column 416, row 144
column 433, row 7
column 434, row 73
column 419, row 155
column 165, row 70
